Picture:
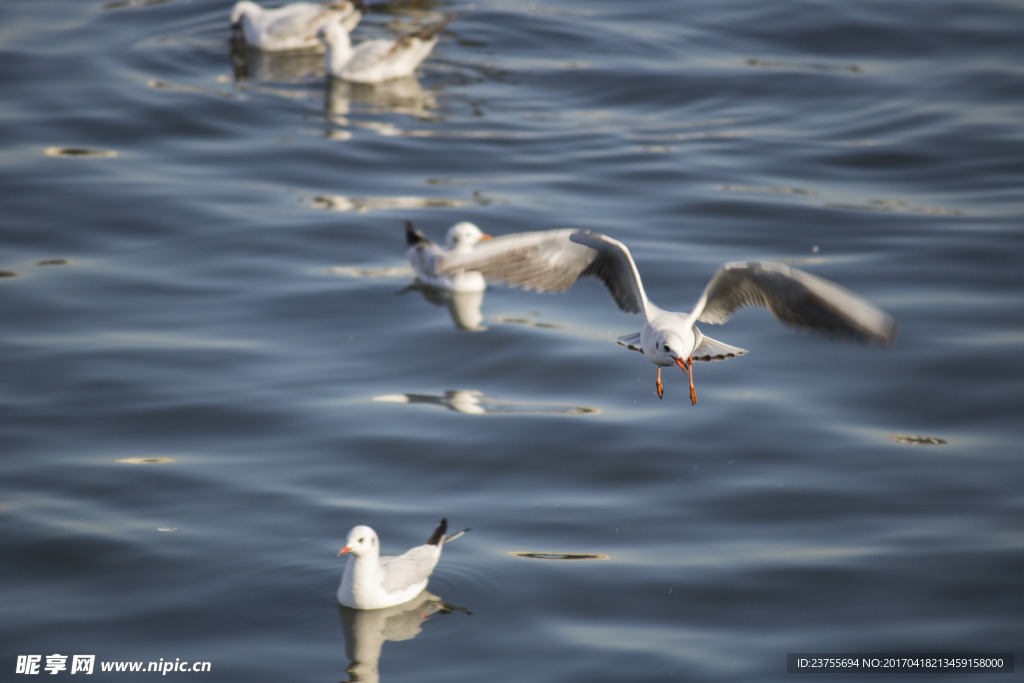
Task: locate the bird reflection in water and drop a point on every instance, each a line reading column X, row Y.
column 476, row 403
column 293, row 66
column 398, row 96
column 366, row 630
column 463, row 307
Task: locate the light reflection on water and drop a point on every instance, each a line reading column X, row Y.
column 476, row 403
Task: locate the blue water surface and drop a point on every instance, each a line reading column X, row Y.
column 207, row 291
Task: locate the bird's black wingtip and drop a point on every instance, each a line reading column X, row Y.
column 437, row 538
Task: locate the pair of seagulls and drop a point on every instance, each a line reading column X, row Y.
column 305, row 25
column 553, row 260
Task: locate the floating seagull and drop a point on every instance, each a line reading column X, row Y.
column 373, row 582
column 292, row 27
column 552, row 260
column 424, row 255
column 375, row 61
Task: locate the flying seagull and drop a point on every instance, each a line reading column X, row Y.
column 552, row 260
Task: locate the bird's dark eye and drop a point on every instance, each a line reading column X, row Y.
column 666, row 348
column 361, row 540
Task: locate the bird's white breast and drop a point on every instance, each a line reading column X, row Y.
column 657, row 325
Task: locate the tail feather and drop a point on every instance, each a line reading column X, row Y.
column 428, row 32
column 631, row 342
column 437, row 538
column 413, row 236
column 454, row 536
column 709, row 349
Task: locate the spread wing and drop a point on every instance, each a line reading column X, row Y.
column 410, row 568
column 552, row 260
column 795, row 298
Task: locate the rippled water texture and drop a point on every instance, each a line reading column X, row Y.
column 213, row 365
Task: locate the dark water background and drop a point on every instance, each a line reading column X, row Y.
column 230, row 302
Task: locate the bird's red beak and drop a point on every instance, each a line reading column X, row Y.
column 682, row 365
column 344, row 550
column 485, row 238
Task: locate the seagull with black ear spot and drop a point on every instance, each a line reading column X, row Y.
column 552, row 261
column 374, row 582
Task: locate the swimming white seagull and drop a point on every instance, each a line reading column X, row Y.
column 374, row 61
column 292, row 27
column 374, row 582
column 424, row 255
column 552, row 260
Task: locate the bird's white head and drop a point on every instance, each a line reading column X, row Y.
column 672, row 348
column 464, row 235
column 335, row 36
column 339, row 46
column 362, row 540
column 243, row 8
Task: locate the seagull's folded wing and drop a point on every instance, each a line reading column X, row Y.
column 369, row 55
column 374, row 53
column 552, row 260
column 795, row 298
column 298, row 20
column 408, row 569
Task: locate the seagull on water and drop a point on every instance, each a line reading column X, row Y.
column 294, row 26
column 374, row 61
column 424, row 255
column 373, row 582
column 552, row 260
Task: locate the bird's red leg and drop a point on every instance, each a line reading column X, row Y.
column 687, row 367
column 693, row 392
column 661, row 389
